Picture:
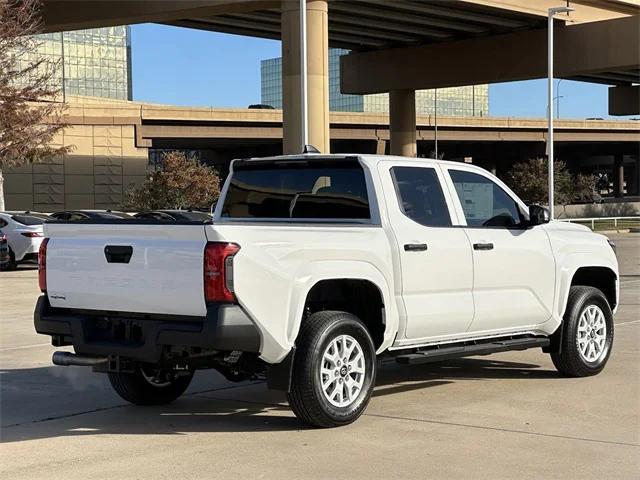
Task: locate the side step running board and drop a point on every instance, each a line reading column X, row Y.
column 435, row 354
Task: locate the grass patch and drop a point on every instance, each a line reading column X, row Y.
column 621, row 224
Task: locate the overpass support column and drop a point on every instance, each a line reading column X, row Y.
column 402, row 122
column 317, row 76
column 618, row 175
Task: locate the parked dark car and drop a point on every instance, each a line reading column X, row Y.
column 173, row 216
column 260, row 106
column 74, row 215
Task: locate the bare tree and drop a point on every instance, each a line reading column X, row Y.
column 182, row 182
column 30, row 108
column 530, row 182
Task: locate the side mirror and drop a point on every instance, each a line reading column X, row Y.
column 538, row 215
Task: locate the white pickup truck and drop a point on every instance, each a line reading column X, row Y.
column 316, row 265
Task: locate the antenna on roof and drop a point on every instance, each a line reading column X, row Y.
column 310, row 149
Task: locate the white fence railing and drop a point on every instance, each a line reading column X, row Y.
column 594, row 220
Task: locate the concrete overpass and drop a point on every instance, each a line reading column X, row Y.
column 114, row 142
column 401, row 46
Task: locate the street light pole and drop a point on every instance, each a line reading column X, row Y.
column 64, row 79
column 435, row 111
column 303, row 75
column 550, row 157
column 558, row 97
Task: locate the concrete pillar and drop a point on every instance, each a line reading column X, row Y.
column 317, row 75
column 638, row 175
column 618, row 175
column 624, row 100
column 402, row 122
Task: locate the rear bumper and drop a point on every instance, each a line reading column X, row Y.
column 146, row 337
column 26, row 250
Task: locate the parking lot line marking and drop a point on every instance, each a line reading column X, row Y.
column 25, row 346
column 499, row 429
column 625, row 323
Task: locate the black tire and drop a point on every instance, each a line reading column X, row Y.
column 139, row 389
column 11, row 264
column 306, row 398
column 570, row 361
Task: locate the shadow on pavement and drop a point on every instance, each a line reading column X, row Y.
column 42, row 403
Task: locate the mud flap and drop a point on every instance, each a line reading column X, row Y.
column 279, row 374
column 556, row 341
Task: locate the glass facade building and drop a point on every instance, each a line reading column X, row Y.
column 457, row 101
column 95, row 63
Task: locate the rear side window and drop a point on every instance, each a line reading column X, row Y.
column 27, row 220
column 315, row 189
column 420, row 196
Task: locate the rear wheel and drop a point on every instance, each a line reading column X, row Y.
column 587, row 335
column 149, row 386
column 334, row 370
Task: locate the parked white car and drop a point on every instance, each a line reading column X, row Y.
column 315, row 265
column 24, row 233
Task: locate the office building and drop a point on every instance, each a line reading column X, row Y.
column 95, row 63
column 468, row 101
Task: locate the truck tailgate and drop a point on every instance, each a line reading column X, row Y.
column 144, row 268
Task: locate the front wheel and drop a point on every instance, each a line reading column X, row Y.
column 587, row 335
column 11, row 264
column 334, row 370
column 147, row 386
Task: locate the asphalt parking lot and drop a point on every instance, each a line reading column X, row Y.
column 505, row 416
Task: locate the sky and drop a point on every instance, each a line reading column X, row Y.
column 181, row 66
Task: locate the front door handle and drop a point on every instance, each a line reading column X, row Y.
column 483, row 246
column 415, row 247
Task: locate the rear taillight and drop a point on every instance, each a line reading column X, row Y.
column 32, row 234
column 42, row 265
column 218, row 271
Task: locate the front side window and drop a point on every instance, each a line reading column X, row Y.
column 420, row 196
column 332, row 189
column 485, row 204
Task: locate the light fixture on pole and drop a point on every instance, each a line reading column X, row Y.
column 550, row 157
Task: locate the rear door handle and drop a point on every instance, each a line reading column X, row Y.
column 483, row 246
column 415, row 247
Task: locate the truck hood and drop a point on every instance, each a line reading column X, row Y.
column 558, row 226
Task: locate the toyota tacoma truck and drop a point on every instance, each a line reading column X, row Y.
column 316, row 266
